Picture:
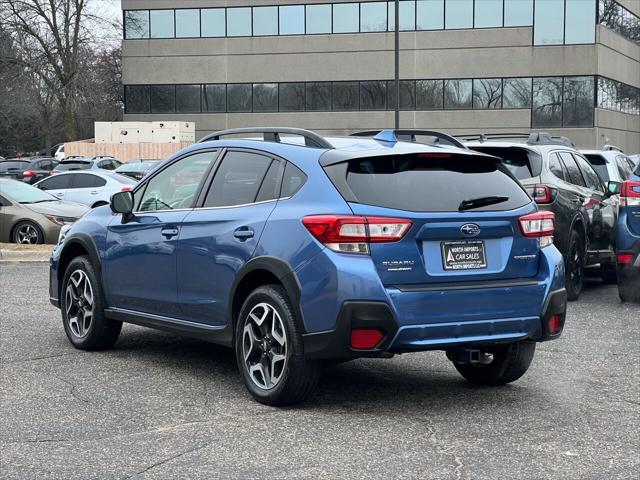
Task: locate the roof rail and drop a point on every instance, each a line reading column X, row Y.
column 409, row 135
column 612, row 147
column 272, row 134
column 533, row 138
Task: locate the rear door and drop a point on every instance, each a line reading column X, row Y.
column 220, row 236
column 85, row 188
column 464, row 211
column 57, row 185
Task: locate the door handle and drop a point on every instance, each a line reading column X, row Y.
column 244, row 233
column 169, row 232
column 94, row 192
column 59, row 194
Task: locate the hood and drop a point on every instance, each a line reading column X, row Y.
column 59, row 208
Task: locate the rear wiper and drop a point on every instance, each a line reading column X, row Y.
column 480, row 202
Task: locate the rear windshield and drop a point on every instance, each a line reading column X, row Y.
column 599, row 165
column 8, row 166
column 422, row 183
column 521, row 162
column 64, row 166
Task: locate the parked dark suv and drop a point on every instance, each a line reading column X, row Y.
column 28, row 169
column 562, row 181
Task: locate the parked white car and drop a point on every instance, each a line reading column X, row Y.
column 59, row 153
column 610, row 163
column 92, row 188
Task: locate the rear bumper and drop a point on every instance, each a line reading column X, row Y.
column 335, row 344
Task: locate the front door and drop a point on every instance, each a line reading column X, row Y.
column 220, row 237
column 140, row 257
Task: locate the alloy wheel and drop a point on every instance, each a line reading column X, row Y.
column 79, row 303
column 264, row 346
column 26, row 234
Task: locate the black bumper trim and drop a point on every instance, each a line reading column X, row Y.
column 335, row 344
column 518, row 282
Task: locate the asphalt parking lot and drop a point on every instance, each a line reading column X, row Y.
column 160, row 406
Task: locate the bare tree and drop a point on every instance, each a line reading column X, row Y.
column 49, row 35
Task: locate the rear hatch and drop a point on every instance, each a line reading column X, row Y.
column 464, row 210
column 13, row 169
column 524, row 164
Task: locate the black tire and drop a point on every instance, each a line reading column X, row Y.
column 574, row 279
column 608, row 273
column 100, row 333
column 510, row 362
column 20, row 230
column 297, row 377
column 629, row 288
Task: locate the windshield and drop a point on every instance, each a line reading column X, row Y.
column 73, row 165
column 599, row 165
column 135, row 167
column 24, row 193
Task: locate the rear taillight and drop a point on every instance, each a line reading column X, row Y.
column 28, row 173
column 630, row 194
column 541, row 193
column 538, row 225
column 625, row 258
column 353, row 234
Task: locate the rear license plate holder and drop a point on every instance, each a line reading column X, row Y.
column 463, row 255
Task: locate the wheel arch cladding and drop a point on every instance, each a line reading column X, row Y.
column 77, row 246
column 265, row 271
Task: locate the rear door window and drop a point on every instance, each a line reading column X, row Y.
column 599, row 164
column 237, row 180
column 573, row 172
column 427, row 182
column 556, row 167
column 624, row 167
column 294, row 179
column 57, row 182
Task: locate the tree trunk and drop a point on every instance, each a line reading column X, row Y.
column 69, row 117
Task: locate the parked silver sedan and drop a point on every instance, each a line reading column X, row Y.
column 88, row 187
column 29, row 215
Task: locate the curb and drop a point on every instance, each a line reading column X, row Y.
column 20, row 253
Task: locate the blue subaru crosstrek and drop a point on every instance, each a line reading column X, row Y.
column 628, row 242
column 298, row 250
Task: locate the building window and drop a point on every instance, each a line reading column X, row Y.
column 618, row 96
column 549, row 22
column 345, row 96
column 577, row 106
column 318, row 96
column 291, row 98
column 617, row 18
column 187, row 98
column 518, row 13
column 137, row 99
column 213, row 22
column 407, row 95
column 430, row 14
column 265, row 97
column 136, row 24
column 346, row 17
column 516, row 93
column 373, row 95
column 407, row 15
column 239, row 22
column 163, row 98
column 457, row 94
column 580, row 23
column 373, row 17
column 487, row 93
column 318, row 18
column 188, row 23
column 214, row 98
column 162, row 24
column 459, row 14
column 488, row 13
column 429, row 94
column 547, row 102
column 292, row 20
column 239, row 97
column 265, row 21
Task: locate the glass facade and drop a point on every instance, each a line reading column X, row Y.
column 618, row 96
column 556, row 21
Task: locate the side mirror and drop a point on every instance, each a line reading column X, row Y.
column 122, row 202
column 613, row 188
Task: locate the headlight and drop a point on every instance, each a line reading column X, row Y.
column 61, row 220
